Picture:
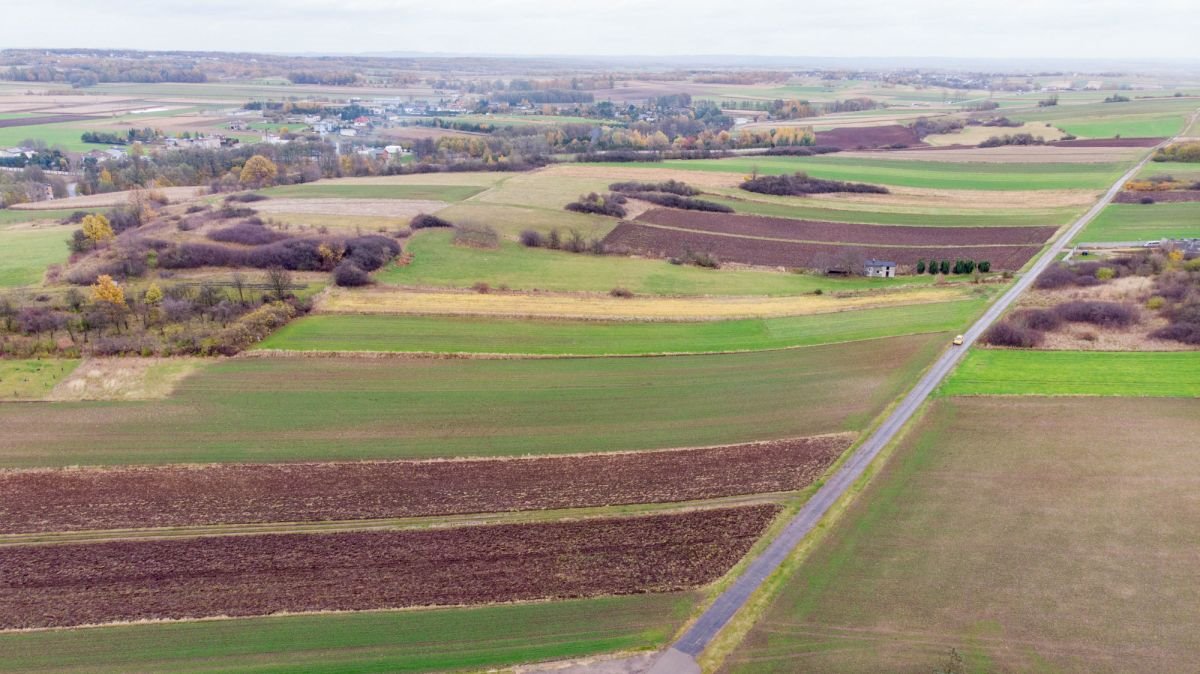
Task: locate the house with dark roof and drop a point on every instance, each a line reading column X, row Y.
column 879, row 268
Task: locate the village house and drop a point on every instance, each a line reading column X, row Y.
column 879, row 268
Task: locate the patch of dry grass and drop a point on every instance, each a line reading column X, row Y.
column 124, row 379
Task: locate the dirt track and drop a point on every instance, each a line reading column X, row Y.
column 77, row 584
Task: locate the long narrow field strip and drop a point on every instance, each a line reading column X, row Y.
column 753, row 226
column 9, row 216
column 665, row 241
column 595, row 306
column 1028, row 534
column 96, row 583
column 289, row 409
column 1076, row 373
column 25, row 252
column 371, row 641
column 1141, row 222
column 438, row 263
column 59, row 500
column 930, row 174
column 861, row 212
column 320, row 190
column 433, row 334
column 32, row 379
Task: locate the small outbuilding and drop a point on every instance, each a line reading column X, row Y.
column 879, row 268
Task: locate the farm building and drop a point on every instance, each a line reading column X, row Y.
column 879, row 268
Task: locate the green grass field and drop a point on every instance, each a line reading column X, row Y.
column 1144, row 222
column 375, row 641
column 437, row 262
column 9, row 216
column 278, row 409
column 1086, row 373
column 66, row 134
column 32, row 379
column 907, row 173
column 1135, row 119
column 808, row 209
column 1029, row 534
column 350, row 332
column 366, row 191
column 25, row 253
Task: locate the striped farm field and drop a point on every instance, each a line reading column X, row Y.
column 1076, row 373
column 432, row 334
column 929, row 174
column 1144, row 222
column 280, row 409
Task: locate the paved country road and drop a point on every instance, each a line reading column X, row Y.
column 680, row 657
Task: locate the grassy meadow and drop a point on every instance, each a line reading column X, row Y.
column 32, row 379
column 437, row 262
column 320, row 190
column 1028, row 534
column 372, row 641
column 1143, row 222
column 1076, row 373
column 352, row 332
column 280, row 409
column 25, row 252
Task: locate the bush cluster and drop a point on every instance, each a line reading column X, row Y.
column 800, row 184
column 668, row 186
column 426, row 221
column 574, row 242
column 609, row 204
column 369, row 252
column 247, row 234
column 686, row 203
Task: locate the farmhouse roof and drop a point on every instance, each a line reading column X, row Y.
column 880, row 263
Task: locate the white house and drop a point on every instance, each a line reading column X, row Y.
column 880, row 268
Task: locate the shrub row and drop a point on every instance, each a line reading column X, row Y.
column 247, row 234
column 609, row 204
column 801, row 184
column 368, row 252
column 669, row 186
column 686, row 203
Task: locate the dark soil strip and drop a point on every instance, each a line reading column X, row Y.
column 78, row 584
column 120, row 498
column 868, row 137
column 653, row 241
column 1163, row 197
column 48, row 119
column 840, row 232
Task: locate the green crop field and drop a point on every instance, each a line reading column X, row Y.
column 1071, row 373
column 1029, row 534
column 1135, row 119
column 845, row 211
column 26, row 252
column 373, row 641
column 278, row 409
column 907, row 173
column 1180, row 171
column 1144, row 222
column 32, row 379
column 351, row 332
column 9, row 216
column 437, row 262
column 66, row 134
column 370, row 191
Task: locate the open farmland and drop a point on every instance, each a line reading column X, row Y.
column 1134, row 119
column 849, row 233
column 1076, row 373
column 929, row 174
column 438, row 263
column 432, row 334
column 370, row 641
column 95, row 583
column 278, row 409
column 662, row 241
column 345, row 190
column 175, row 496
column 1144, row 222
column 606, row 307
column 1029, row 534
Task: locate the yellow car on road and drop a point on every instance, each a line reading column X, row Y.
column 958, row 341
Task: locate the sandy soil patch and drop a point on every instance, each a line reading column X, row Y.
column 109, row 199
column 399, row 300
column 124, row 379
column 389, row 208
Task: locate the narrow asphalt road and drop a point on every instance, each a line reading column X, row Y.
column 680, row 657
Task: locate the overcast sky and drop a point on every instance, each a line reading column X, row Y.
column 839, row 28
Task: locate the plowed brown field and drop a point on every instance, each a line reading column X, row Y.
column 120, row 498
column 657, row 241
column 77, row 584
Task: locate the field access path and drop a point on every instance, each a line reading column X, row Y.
column 681, row 656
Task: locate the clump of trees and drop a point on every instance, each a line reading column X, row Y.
column 669, row 186
column 426, row 221
column 573, row 242
column 1013, row 139
column 958, row 266
column 1180, row 152
column 610, row 204
column 801, row 183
